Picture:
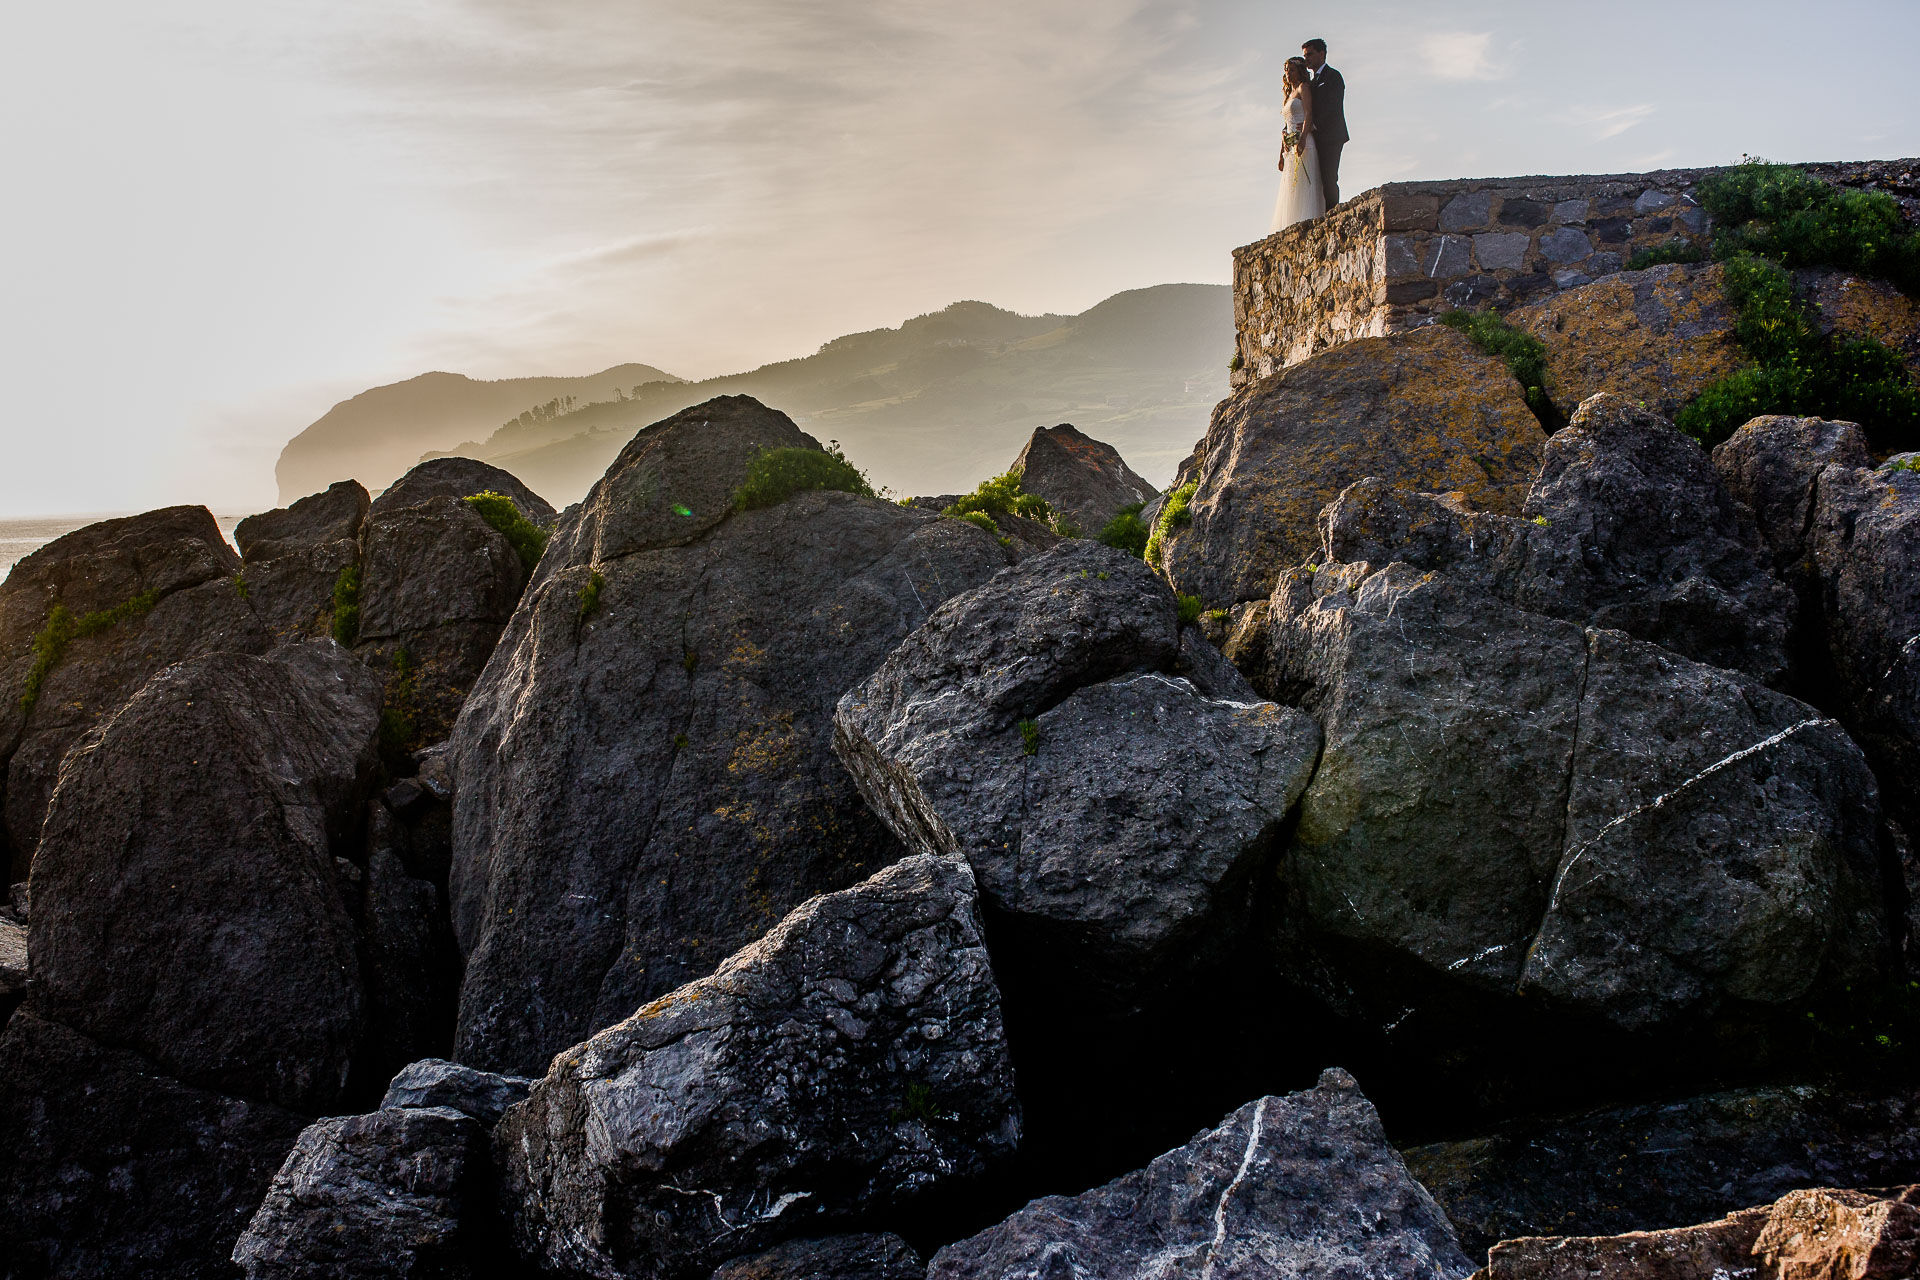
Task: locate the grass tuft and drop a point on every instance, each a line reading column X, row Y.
column 1126, row 530
column 1524, row 355
column 1174, row 515
column 346, row 606
column 775, row 475
column 1190, row 608
column 63, row 628
column 526, row 538
column 590, row 596
column 1030, row 737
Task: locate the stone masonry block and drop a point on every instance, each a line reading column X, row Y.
column 1403, row 211
column 1501, row 251
column 1570, row 211
column 1522, row 213
column 1447, row 257
column 1468, row 212
column 1402, row 257
column 1568, row 244
column 1651, row 200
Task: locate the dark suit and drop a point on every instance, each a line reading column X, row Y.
column 1329, row 128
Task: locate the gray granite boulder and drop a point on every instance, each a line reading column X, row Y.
column 399, row 1193
column 138, row 594
column 1660, row 840
column 1115, row 815
column 460, row 478
column 1085, row 480
column 185, row 898
column 646, row 780
column 858, row 1257
column 1666, row 1164
column 846, row 1064
column 1302, row 1185
column 435, row 1082
column 112, row 1168
column 1773, row 465
column 1627, row 526
column 291, row 558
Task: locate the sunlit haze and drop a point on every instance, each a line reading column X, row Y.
column 223, row 217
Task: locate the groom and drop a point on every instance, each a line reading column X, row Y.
column 1329, row 115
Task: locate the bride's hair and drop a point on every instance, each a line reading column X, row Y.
column 1295, row 73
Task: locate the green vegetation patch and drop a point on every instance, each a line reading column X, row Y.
column 1524, row 355
column 1030, row 737
column 1799, row 371
column 1127, row 530
column 1003, row 496
column 775, row 475
column 346, row 606
column 63, row 628
column 526, row 538
column 1190, row 608
column 1676, row 250
column 1788, row 215
column 590, row 596
column 1173, row 515
column 400, row 712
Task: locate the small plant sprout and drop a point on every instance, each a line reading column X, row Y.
column 1030, row 737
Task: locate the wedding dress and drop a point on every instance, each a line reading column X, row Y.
column 1302, row 195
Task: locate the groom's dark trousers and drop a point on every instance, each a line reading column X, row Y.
column 1329, row 128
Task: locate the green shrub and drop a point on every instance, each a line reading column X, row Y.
column 1003, row 496
column 917, row 1105
column 1173, row 515
column 1126, row 530
column 399, row 712
column 1216, row 615
column 1675, row 250
column 1190, row 607
column 1030, row 737
column 240, row 586
column 590, row 596
column 1236, row 364
column 1797, row 220
column 775, row 475
column 526, row 538
column 1799, row 371
column 346, row 605
column 62, row 628
column 1524, row 355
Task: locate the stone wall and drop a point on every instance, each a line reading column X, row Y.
column 1394, row 257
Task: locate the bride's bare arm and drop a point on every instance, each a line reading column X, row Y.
column 1306, row 126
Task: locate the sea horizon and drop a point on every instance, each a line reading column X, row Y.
column 21, row 536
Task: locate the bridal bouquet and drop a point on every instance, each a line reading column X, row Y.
column 1292, row 141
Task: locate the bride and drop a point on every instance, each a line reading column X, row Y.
column 1302, row 195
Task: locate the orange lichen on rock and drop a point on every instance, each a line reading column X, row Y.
column 1424, row 410
column 1656, row 337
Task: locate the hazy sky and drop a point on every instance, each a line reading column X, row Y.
column 221, row 216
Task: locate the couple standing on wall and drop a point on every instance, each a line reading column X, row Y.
column 1315, row 131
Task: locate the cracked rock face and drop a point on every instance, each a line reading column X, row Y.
column 292, row 556
column 1627, row 526
column 1302, row 1185
column 648, row 784
column 848, row 1062
column 177, row 553
column 1660, row 839
column 185, row 903
column 399, row 1193
column 1114, row 814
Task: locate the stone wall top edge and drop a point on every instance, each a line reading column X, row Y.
column 1649, row 178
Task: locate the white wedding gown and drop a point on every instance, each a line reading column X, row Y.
column 1302, row 195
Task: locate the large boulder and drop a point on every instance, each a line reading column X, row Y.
column 1304, row 1185
column 437, row 583
column 1627, row 526
column 646, row 780
column 1773, row 466
column 847, row 1064
column 1655, row 337
column 1662, row 841
column 185, row 898
column 460, row 478
column 1423, row 410
column 1083, row 479
column 292, row 557
column 85, row 620
column 400, row 1193
column 857, row 1257
column 435, row 1082
column 114, row 1169
column 1115, row 814
column 1667, row 1164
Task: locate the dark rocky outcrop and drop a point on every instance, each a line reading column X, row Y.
column 1659, row 1165
column 1115, row 815
column 112, row 1168
column 850, row 1062
column 861, row 1257
column 1662, row 840
column 1301, row 1185
column 1773, row 465
column 1816, row 1234
column 1423, row 410
column 170, row 576
column 459, row 478
column 1626, row 526
column 1083, row 479
column 435, row 1082
column 646, row 783
column 399, row 1193
column 291, row 558
column 185, row 898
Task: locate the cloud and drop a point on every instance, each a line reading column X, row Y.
column 1461, row 55
column 1608, row 122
